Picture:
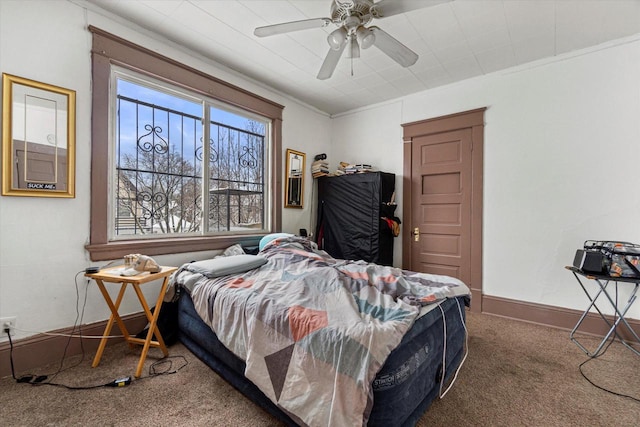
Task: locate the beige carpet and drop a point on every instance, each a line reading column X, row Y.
column 516, row 374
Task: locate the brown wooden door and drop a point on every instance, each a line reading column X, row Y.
column 442, row 198
column 441, row 208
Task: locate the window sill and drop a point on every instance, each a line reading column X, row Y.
column 171, row 245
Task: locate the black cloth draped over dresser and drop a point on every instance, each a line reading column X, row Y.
column 350, row 222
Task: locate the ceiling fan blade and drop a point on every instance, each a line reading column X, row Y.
column 330, row 62
column 393, row 48
column 287, row 27
column 385, row 8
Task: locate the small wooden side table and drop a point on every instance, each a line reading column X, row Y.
column 112, row 275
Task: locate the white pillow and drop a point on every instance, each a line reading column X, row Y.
column 226, row 265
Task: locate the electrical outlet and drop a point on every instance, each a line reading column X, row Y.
column 7, row 322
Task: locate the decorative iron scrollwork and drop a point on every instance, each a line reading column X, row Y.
column 213, row 153
column 248, row 159
column 152, row 204
column 160, row 147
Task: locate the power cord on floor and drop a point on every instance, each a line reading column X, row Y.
column 163, row 366
column 600, row 387
column 166, row 366
column 120, row 382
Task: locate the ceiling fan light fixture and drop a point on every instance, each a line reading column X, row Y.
column 352, row 19
column 337, row 38
column 366, row 37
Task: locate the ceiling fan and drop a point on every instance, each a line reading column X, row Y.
column 352, row 17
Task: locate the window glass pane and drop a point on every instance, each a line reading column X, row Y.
column 158, row 170
column 236, row 172
column 160, row 165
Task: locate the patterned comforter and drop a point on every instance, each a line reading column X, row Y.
column 314, row 330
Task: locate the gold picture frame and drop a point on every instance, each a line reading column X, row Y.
column 38, row 138
column 294, row 180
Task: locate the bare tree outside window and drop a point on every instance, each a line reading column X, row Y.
column 236, row 177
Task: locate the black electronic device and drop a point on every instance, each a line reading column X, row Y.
column 590, row 261
column 92, row 270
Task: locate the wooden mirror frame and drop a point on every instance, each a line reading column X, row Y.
column 38, row 133
column 294, row 179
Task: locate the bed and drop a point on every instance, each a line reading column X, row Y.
column 320, row 341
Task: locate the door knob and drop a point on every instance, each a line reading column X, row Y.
column 416, row 234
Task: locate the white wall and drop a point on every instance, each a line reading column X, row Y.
column 561, row 151
column 372, row 136
column 42, row 239
column 312, row 138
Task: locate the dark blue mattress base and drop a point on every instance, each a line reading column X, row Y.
column 404, row 388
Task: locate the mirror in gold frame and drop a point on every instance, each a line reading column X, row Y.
column 294, row 179
column 38, row 139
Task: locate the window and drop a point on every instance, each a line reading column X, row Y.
column 163, row 189
column 160, row 163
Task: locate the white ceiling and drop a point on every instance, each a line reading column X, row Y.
column 455, row 41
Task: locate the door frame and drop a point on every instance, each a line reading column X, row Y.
column 473, row 119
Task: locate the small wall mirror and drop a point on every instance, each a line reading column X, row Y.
column 38, row 139
column 294, row 170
